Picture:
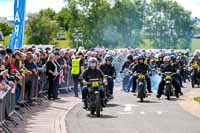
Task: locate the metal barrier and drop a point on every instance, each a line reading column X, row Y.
column 34, row 89
column 66, row 80
column 7, row 109
column 4, row 109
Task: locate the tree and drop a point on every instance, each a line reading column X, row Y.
column 7, row 30
column 63, row 18
column 41, row 29
column 169, row 25
column 128, row 18
column 50, row 13
column 122, row 23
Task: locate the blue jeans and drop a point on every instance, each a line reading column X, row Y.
column 110, row 86
column 125, row 82
column 155, row 80
column 85, row 92
column 130, row 83
column 18, row 93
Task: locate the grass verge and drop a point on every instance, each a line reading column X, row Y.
column 197, row 99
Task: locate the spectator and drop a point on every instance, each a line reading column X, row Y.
column 52, row 73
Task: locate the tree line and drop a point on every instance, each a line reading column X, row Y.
column 116, row 23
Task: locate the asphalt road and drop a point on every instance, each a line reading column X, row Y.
column 125, row 114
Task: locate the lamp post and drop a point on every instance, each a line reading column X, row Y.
column 77, row 38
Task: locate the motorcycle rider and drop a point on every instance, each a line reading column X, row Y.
column 130, row 80
column 135, row 62
column 177, row 76
column 126, row 67
column 109, row 70
column 92, row 72
column 127, row 63
column 181, row 63
column 195, row 60
column 195, row 65
column 143, row 68
column 167, row 67
column 160, row 60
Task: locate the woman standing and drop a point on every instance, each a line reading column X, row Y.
column 52, row 73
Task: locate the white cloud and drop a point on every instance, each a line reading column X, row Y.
column 36, row 5
column 191, row 5
column 6, row 8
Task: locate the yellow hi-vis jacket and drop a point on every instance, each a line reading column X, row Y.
column 76, row 66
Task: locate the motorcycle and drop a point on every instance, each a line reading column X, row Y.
column 169, row 90
column 94, row 99
column 195, row 79
column 187, row 73
column 141, row 87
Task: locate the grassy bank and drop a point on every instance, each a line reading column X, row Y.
column 197, row 99
column 67, row 43
column 195, row 44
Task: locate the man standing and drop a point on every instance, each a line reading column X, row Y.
column 77, row 68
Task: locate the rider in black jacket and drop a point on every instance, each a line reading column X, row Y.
column 168, row 67
column 109, row 70
column 143, row 68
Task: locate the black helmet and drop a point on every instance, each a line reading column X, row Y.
column 130, row 57
column 160, row 56
column 141, row 57
column 173, row 57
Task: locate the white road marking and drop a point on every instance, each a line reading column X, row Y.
column 128, row 107
column 159, row 112
column 125, row 113
column 142, row 113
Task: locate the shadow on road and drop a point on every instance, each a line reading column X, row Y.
column 102, row 116
column 112, row 105
column 173, row 99
column 61, row 101
column 148, row 101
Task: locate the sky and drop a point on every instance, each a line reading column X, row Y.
column 6, row 6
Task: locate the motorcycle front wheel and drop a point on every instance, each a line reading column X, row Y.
column 141, row 99
column 98, row 105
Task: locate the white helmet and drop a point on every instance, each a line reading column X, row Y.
column 92, row 62
column 167, row 59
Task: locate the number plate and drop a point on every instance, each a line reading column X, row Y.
column 194, row 66
column 95, row 84
column 168, row 77
column 141, row 76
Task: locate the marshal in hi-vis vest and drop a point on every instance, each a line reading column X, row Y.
column 76, row 66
